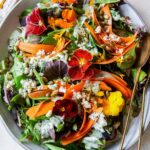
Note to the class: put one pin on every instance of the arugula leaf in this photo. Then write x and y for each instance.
(3, 65)
(72, 46)
(73, 146)
(48, 141)
(49, 39)
(53, 147)
(28, 103)
(60, 127)
(29, 130)
(14, 100)
(24, 14)
(79, 11)
(128, 60)
(92, 41)
(38, 77)
(106, 1)
(44, 1)
(1, 97)
(1, 79)
(17, 81)
(41, 98)
(142, 75)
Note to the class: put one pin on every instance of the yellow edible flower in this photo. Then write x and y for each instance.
(59, 35)
(120, 60)
(92, 2)
(100, 93)
(64, 1)
(114, 104)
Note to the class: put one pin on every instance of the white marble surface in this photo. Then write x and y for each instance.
(7, 143)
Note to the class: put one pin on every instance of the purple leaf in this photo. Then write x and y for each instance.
(23, 21)
(7, 95)
(55, 69)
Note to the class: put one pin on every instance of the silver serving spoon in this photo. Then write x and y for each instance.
(142, 108)
(127, 10)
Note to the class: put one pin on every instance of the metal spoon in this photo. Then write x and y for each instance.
(142, 108)
(145, 53)
(127, 10)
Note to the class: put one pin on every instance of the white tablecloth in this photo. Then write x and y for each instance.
(7, 143)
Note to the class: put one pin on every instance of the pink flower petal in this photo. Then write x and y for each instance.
(88, 74)
(73, 62)
(83, 54)
(35, 23)
(35, 16)
(34, 30)
(75, 73)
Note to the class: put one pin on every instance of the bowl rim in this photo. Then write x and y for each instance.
(147, 113)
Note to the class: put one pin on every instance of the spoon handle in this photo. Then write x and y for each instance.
(130, 108)
(142, 110)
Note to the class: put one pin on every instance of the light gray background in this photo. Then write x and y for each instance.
(7, 143)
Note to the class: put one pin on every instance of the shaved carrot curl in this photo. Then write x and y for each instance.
(34, 48)
(41, 109)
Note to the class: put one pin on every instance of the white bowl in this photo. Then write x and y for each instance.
(8, 26)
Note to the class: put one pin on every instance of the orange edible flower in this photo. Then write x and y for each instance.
(71, 1)
(51, 22)
(59, 23)
(69, 15)
(63, 24)
(65, 1)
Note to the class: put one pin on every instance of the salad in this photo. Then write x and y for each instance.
(69, 74)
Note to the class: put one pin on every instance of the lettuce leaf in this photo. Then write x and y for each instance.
(142, 76)
(50, 37)
(128, 60)
(106, 1)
